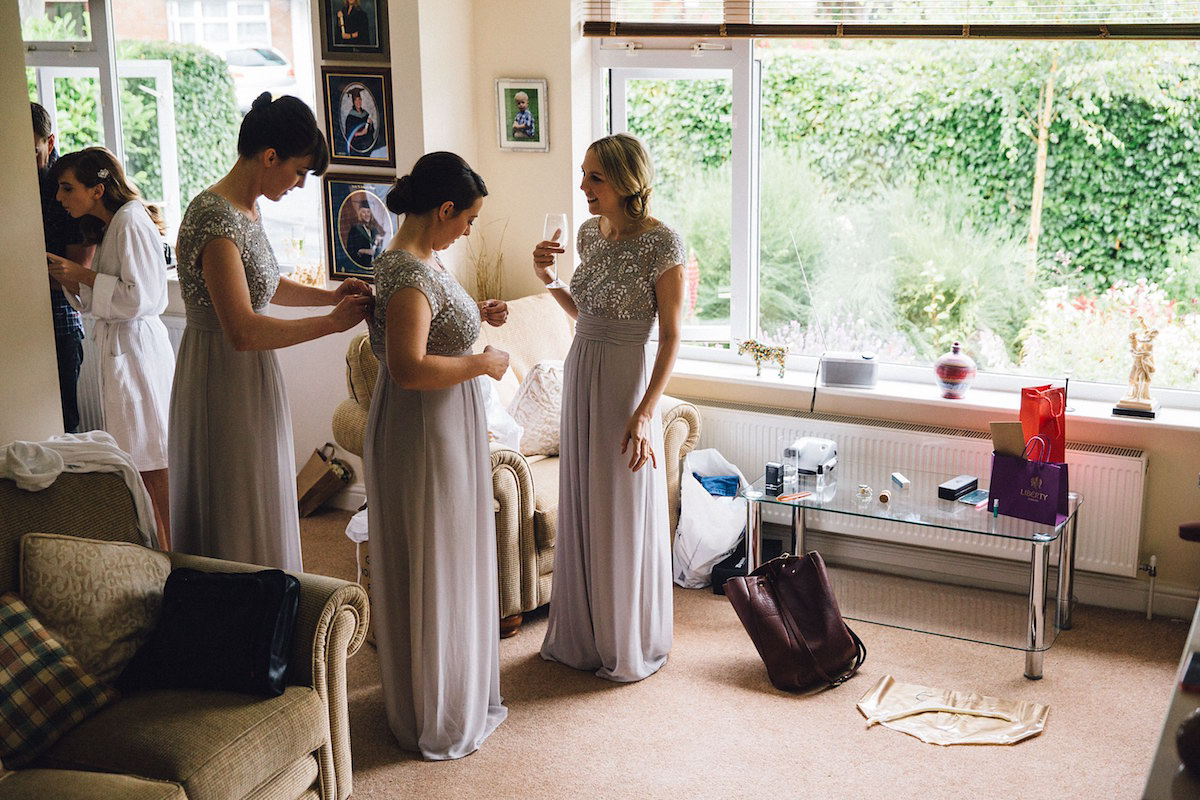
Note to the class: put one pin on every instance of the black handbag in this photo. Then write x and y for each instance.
(788, 608)
(219, 630)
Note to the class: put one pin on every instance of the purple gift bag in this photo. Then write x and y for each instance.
(1030, 489)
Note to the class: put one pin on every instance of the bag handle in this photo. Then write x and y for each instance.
(1057, 416)
(1043, 453)
(327, 451)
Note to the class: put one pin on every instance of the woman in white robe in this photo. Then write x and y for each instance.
(125, 291)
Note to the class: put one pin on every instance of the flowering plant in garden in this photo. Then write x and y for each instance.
(1087, 336)
(843, 333)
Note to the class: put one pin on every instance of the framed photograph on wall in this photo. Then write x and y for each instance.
(521, 114)
(358, 116)
(358, 224)
(353, 29)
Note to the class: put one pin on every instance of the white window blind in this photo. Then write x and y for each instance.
(998, 19)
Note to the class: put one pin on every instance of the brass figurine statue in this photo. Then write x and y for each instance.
(1137, 401)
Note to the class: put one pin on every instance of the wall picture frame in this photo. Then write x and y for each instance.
(521, 114)
(358, 116)
(358, 224)
(353, 29)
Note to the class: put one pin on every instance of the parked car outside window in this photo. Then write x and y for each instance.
(259, 69)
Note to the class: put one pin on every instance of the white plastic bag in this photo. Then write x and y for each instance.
(709, 527)
(356, 531)
(501, 426)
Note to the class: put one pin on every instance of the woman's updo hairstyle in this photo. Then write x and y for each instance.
(288, 126)
(436, 178)
(626, 164)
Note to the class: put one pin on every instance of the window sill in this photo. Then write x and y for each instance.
(1090, 421)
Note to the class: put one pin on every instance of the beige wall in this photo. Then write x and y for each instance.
(29, 404)
(527, 39)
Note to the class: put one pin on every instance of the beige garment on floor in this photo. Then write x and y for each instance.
(945, 716)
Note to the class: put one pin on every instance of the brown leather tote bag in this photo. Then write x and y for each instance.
(788, 609)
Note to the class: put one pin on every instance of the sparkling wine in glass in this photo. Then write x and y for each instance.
(555, 230)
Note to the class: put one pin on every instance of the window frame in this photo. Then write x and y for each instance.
(98, 53)
(618, 59)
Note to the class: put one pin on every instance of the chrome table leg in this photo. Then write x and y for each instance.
(1066, 572)
(1035, 636)
(753, 535)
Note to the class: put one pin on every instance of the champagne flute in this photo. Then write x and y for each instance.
(555, 230)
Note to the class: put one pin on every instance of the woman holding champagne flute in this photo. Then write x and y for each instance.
(611, 611)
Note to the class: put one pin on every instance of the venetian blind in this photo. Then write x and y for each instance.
(997, 19)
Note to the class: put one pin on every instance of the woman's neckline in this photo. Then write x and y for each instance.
(649, 224)
(435, 265)
(251, 215)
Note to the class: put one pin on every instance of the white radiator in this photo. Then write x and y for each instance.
(91, 416)
(1110, 479)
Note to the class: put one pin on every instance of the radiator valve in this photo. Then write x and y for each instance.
(1150, 568)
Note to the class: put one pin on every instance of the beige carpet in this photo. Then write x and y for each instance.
(710, 725)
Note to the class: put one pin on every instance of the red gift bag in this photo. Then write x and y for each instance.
(1043, 413)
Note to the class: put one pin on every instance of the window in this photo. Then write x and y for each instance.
(898, 195)
(125, 95)
(220, 24)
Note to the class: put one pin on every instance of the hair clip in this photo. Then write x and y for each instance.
(101, 173)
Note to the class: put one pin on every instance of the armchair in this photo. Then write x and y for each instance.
(190, 743)
(525, 487)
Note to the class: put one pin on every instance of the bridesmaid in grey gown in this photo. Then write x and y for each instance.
(428, 475)
(233, 484)
(611, 607)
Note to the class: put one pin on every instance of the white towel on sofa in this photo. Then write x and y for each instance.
(33, 466)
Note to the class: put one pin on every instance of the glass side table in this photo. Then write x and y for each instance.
(918, 504)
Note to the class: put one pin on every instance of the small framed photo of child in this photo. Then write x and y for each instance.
(353, 29)
(358, 116)
(521, 113)
(358, 224)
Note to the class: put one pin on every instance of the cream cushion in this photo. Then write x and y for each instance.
(537, 330)
(100, 599)
(537, 408)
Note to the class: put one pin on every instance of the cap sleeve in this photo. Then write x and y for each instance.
(406, 272)
(672, 251)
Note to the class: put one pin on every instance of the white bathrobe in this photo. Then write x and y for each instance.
(137, 363)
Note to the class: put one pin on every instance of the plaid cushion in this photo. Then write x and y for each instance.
(43, 690)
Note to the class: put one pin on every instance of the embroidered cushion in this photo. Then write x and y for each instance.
(44, 692)
(537, 408)
(99, 599)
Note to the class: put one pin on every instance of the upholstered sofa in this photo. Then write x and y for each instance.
(192, 744)
(526, 488)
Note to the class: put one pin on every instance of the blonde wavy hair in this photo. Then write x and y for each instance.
(626, 164)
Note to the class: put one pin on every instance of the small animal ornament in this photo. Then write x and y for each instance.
(764, 352)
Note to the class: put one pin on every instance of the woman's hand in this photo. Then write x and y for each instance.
(543, 259)
(351, 310)
(493, 312)
(637, 434)
(495, 362)
(68, 273)
(351, 287)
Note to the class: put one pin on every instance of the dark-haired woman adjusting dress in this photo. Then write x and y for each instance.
(233, 492)
(429, 484)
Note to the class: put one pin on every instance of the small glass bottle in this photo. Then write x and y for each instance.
(791, 467)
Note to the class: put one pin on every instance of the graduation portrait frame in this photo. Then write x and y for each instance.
(360, 33)
(521, 114)
(352, 237)
(358, 116)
